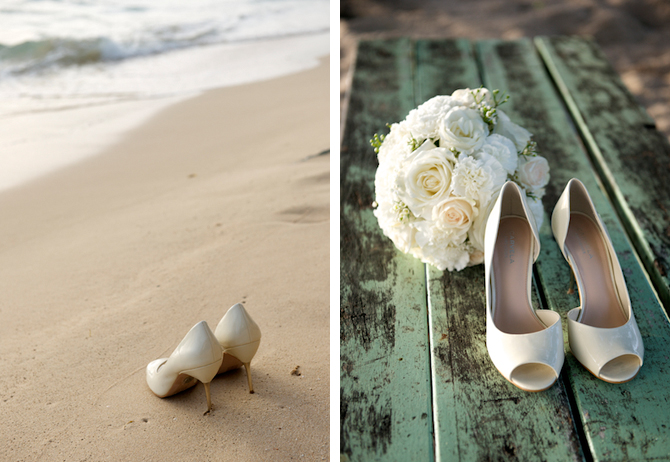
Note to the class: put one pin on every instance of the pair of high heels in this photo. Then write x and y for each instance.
(202, 354)
(526, 345)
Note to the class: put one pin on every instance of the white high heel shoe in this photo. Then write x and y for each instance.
(197, 357)
(526, 346)
(239, 336)
(603, 334)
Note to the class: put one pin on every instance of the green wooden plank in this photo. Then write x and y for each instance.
(482, 416)
(621, 422)
(385, 411)
(442, 67)
(631, 156)
(478, 414)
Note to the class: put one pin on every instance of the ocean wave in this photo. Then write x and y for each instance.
(56, 52)
(48, 53)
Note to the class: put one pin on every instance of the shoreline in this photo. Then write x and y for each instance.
(105, 264)
(38, 140)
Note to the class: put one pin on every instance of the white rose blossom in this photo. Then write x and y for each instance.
(433, 201)
(505, 127)
(462, 129)
(449, 224)
(453, 217)
(533, 173)
(427, 178)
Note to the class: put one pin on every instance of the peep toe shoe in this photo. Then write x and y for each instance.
(239, 336)
(197, 358)
(602, 331)
(525, 345)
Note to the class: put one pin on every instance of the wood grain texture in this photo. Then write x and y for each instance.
(385, 411)
(621, 422)
(481, 415)
(416, 380)
(478, 414)
(630, 155)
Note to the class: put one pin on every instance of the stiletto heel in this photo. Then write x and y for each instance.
(247, 366)
(239, 336)
(209, 397)
(526, 346)
(602, 331)
(198, 357)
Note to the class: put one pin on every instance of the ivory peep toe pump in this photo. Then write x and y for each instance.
(602, 331)
(526, 346)
(239, 336)
(197, 357)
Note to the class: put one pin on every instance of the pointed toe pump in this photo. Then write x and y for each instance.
(239, 336)
(197, 358)
(525, 345)
(602, 331)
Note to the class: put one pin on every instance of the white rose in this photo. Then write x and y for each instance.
(453, 218)
(427, 178)
(505, 127)
(502, 150)
(465, 97)
(478, 179)
(462, 129)
(533, 172)
(446, 230)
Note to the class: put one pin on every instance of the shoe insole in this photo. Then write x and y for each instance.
(512, 310)
(585, 245)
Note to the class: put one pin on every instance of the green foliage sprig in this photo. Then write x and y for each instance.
(377, 141)
(530, 150)
(489, 112)
(414, 144)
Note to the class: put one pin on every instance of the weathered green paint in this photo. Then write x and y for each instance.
(478, 414)
(445, 392)
(631, 157)
(385, 411)
(621, 422)
(481, 415)
(442, 67)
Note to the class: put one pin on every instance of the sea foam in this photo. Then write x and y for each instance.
(63, 98)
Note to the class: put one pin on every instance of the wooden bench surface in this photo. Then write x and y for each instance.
(416, 380)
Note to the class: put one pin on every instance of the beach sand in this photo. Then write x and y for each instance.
(106, 264)
(634, 34)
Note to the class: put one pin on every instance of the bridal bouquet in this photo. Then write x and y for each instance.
(440, 172)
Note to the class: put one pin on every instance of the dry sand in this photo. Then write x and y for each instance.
(634, 34)
(106, 264)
